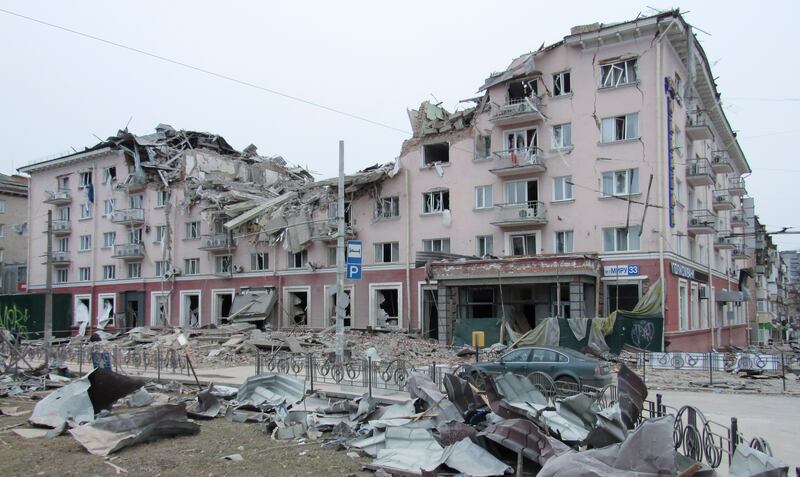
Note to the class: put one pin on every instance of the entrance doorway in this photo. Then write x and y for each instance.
(133, 304)
(430, 313)
(621, 296)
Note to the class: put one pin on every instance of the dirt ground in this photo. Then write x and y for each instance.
(198, 455)
(668, 379)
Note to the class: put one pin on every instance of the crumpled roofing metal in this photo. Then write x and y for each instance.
(515, 388)
(522, 435)
(463, 456)
(207, 405)
(632, 392)
(648, 451)
(609, 428)
(394, 415)
(420, 386)
(112, 433)
(748, 462)
(461, 394)
(270, 390)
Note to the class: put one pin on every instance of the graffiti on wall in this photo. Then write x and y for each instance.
(14, 318)
(642, 334)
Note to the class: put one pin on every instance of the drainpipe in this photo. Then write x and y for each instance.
(408, 250)
(709, 292)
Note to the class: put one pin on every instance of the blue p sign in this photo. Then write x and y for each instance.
(354, 271)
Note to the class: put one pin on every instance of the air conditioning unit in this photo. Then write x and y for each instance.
(527, 214)
(695, 221)
(172, 272)
(238, 269)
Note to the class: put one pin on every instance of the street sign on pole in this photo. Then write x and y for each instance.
(354, 255)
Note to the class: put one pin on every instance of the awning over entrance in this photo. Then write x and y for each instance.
(253, 305)
(511, 269)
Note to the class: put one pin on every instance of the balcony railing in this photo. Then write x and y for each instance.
(736, 186)
(128, 216)
(60, 257)
(698, 126)
(518, 109)
(129, 251)
(217, 242)
(59, 197)
(62, 227)
(722, 200)
(739, 253)
(518, 161)
(526, 213)
(738, 219)
(721, 162)
(702, 221)
(699, 172)
(724, 240)
(133, 183)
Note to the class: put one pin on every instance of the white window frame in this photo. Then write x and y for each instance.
(704, 304)
(387, 207)
(330, 291)
(254, 261)
(108, 207)
(85, 178)
(558, 83)
(109, 243)
(483, 197)
(571, 241)
(187, 270)
(219, 262)
(684, 322)
(566, 189)
(62, 182)
(162, 197)
(192, 230)
(509, 237)
(62, 241)
(442, 241)
(183, 295)
(76, 300)
(619, 73)
(161, 233)
(2, 206)
(429, 201)
(63, 213)
(80, 274)
(101, 297)
(485, 242)
(215, 311)
(154, 307)
(631, 181)
(165, 265)
(624, 127)
(285, 316)
(86, 211)
(291, 263)
(632, 231)
(373, 304)
(694, 300)
(65, 272)
(559, 136)
(85, 243)
(113, 272)
(394, 250)
(128, 270)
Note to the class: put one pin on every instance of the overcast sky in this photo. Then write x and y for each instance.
(58, 90)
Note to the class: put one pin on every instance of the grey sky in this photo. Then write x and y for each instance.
(367, 58)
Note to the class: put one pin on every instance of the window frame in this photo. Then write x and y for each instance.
(254, 259)
(292, 259)
(558, 84)
(482, 193)
(113, 241)
(109, 272)
(88, 274)
(137, 266)
(432, 202)
(441, 241)
(561, 127)
(564, 234)
(628, 124)
(631, 182)
(192, 230)
(627, 68)
(62, 271)
(393, 203)
(484, 245)
(566, 186)
(85, 243)
(631, 232)
(394, 252)
(86, 210)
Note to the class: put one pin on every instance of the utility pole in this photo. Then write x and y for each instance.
(340, 259)
(48, 298)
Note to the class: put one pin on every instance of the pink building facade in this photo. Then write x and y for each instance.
(581, 175)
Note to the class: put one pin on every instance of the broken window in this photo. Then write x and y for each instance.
(259, 261)
(387, 207)
(333, 213)
(561, 84)
(524, 244)
(518, 91)
(223, 264)
(435, 202)
(192, 230)
(191, 310)
(297, 308)
(162, 310)
(436, 245)
(562, 136)
(332, 303)
(108, 207)
(618, 73)
(135, 235)
(484, 245)
(85, 178)
(388, 303)
(483, 197)
(483, 147)
(161, 233)
(162, 197)
(481, 303)
(620, 128)
(109, 272)
(433, 153)
(86, 211)
(162, 267)
(522, 193)
(298, 260)
(624, 182)
(63, 182)
(135, 201)
(109, 175)
(191, 266)
(387, 252)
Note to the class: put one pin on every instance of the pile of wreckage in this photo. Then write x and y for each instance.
(511, 424)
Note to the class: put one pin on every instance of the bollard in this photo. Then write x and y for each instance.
(658, 405)
(311, 370)
(158, 360)
(433, 372)
(734, 440)
(783, 372)
(369, 376)
(519, 464)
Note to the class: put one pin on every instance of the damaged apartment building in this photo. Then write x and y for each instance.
(575, 180)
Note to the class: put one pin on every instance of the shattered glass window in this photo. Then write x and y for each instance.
(387, 252)
(259, 261)
(387, 207)
(192, 230)
(135, 270)
(561, 84)
(562, 136)
(191, 266)
(435, 202)
(618, 73)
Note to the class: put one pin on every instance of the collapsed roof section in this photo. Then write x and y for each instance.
(431, 119)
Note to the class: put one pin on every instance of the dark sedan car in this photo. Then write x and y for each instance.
(561, 364)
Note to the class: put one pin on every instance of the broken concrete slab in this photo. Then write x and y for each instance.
(112, 433)
(207, 406)
(749, 462)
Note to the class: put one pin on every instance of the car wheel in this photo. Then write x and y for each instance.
(478, 379)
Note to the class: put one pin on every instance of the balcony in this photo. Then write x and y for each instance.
(129, 251)
(512, 215)
(702, 221)
(218, 243)
(518, 110)
(326, 231)
(60, 258)
(698, 127)
(739, 253)
(128, 216)
(736, 186)
(62, 227)
(721, 162)
(699, 172)
(738, 219)
(519, 161)
(133, 183)
(722, 201)
(724, 241)
(59, 197)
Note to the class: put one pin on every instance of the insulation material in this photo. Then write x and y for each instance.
(578, 327)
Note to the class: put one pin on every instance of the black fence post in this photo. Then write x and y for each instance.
(658, 405)
(710, 368)
(734, 440)
(644, 367)
(158, 363)
(369, 375)
(80, 360)
(311, 370)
